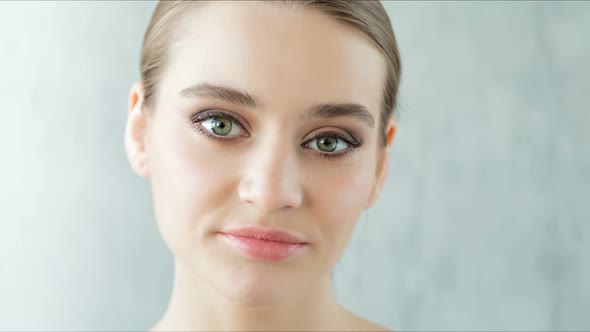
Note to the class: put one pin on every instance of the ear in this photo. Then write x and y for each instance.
(135, 131)
(383, 163)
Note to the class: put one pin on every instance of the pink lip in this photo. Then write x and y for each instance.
(265, 244)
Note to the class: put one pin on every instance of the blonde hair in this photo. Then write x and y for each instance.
(368, 17)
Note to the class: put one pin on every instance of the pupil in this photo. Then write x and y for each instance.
(327, 144)
(221, 127)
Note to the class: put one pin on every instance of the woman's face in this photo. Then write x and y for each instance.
(266, 159)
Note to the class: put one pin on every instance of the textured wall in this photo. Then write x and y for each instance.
(484, 222)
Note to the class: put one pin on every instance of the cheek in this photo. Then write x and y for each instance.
(339, 199)
(343, 190)
(189, 180)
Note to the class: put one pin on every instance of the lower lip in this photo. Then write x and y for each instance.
(263, 249)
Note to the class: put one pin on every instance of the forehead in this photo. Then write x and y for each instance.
(286, 57)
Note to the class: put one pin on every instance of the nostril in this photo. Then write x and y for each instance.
(271, 198)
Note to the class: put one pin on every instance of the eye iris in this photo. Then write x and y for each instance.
(221, 126)
(328, 143)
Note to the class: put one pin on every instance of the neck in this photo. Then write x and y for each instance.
(195, 306)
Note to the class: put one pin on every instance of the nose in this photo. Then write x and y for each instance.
(271, 179)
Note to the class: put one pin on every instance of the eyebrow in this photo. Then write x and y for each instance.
(237, 97)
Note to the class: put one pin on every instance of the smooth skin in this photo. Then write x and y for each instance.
(263, 175)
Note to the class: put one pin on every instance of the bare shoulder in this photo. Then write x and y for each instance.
(365, 325)
(358, 323)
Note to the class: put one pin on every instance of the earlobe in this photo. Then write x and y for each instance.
(135, 131)
(391, 131)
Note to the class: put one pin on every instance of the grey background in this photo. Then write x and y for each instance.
(483, 224)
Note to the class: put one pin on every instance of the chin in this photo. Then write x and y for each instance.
(255, 291)
(249, 282)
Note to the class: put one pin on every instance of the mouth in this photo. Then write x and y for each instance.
(273, 235)
(264, 244)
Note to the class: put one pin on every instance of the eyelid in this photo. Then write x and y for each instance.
(347, 137)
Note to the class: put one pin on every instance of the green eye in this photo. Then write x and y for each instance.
(220, 126)
(327, 143)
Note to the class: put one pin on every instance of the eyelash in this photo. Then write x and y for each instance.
(197, 118)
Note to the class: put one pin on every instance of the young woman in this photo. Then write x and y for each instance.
(264, 130)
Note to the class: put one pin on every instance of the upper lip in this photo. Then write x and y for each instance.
(269, 234)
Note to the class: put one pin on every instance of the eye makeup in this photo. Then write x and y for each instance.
(347, 139)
